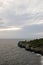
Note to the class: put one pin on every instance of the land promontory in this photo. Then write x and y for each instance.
(35, 45)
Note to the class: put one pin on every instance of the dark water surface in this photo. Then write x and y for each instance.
(11, 54)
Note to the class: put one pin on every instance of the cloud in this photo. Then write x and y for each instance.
(24, 16)
(22, 6)
(22, 20)
(9, 29)
(33, 31)
(21, 12)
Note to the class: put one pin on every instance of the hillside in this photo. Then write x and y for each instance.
(35, 45)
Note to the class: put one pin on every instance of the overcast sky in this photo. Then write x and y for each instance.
(21, 18)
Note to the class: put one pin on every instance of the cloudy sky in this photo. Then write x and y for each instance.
(21, 18)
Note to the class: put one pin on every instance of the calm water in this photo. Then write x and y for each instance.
(11, 54)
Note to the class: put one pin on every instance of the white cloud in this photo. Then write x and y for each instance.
(17, 14)
(23, 6)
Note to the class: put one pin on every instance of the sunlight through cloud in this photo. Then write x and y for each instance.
(10, 29)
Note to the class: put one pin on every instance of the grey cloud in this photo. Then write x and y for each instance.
(21, 13)
(26, 32)
(14, 20)
(34, 28)
(17, 20)
(22, 19)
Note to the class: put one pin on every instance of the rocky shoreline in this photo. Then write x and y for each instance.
(35, 46)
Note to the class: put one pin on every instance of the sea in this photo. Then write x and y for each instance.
(11, 54)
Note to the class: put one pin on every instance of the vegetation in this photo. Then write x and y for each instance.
(32, 45)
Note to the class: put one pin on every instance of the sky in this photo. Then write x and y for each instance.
(21, 19)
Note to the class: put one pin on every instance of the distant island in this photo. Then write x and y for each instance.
(35, 45)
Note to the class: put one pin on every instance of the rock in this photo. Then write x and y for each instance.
(21, 44)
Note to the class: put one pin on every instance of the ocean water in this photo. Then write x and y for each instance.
(11, 54)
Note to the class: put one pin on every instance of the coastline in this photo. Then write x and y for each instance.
(35, 46)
